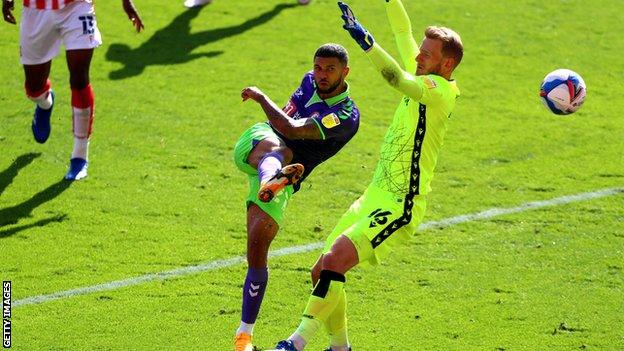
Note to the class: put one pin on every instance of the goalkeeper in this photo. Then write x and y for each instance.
(393, 205)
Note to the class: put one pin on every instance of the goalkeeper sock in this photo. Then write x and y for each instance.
(327, 293)
(336, 325)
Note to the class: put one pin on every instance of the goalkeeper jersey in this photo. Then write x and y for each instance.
(412, 143)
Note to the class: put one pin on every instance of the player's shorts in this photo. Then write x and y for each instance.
(247, 141)
(377, 222)
(42, 31)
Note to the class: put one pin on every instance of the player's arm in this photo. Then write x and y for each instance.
(303, 128)
(402, 30)
(405, 82)
(133, 14)
(7, 11)
(399, 79)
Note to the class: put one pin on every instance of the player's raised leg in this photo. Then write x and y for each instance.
(83, 108)
(39, 89)
(268, 157)
(285, 176)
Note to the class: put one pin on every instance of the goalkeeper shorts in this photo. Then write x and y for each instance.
(377, 222)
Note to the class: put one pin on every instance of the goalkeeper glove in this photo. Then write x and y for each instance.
(359, 33)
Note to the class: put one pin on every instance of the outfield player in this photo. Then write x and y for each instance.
(278, 155)
(44, 25)
(389, 211)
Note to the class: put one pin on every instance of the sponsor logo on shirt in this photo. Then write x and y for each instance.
(330, 121)
(290, 109)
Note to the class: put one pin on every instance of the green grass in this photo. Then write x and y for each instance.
(163, 192)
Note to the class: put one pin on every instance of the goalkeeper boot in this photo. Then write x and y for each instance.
(77, 169)
(286, 176)
(242, 342)
(285, 345)
(41, 122)
(330, 349)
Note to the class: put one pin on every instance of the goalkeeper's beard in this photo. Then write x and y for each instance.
(435, 70)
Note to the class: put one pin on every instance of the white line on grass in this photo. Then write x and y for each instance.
(215, 265)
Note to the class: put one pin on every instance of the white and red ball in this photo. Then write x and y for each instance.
(563, 91)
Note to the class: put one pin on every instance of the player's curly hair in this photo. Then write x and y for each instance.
(333, 50)
(451, 42)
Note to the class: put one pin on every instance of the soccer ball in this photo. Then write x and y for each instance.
(563, 91)
(303, 2)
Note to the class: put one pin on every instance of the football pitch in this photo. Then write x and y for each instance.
(522, 244)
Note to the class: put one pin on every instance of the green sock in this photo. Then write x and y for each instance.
(327, 294)
(336, 323)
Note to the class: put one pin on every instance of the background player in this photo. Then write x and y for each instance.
(44, 25)
(317, 122)
(389, 211)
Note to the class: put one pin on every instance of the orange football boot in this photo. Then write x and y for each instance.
(286, 176)
(242, 342)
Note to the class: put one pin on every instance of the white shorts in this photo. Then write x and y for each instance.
(41, 31)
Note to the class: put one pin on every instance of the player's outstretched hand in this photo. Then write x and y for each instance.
(133, 15)
(252, 93)
(7, 11)
(359, 33)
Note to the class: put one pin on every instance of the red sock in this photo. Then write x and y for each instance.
(41, 96)
(83, 105)
(83, 108)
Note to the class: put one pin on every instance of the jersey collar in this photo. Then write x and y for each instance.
(332, 101)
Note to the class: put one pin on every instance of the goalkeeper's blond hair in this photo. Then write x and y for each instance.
(451, 42)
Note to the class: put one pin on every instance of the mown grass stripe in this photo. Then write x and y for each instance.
(219, 264)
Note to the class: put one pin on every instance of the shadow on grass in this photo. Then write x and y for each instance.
(11, 215)
(40, 223)
(174, 43)
(7, 176)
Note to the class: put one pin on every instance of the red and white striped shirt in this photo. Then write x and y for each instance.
(49, 4)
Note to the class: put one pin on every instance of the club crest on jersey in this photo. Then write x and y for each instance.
(429, 83)
(330, 121)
